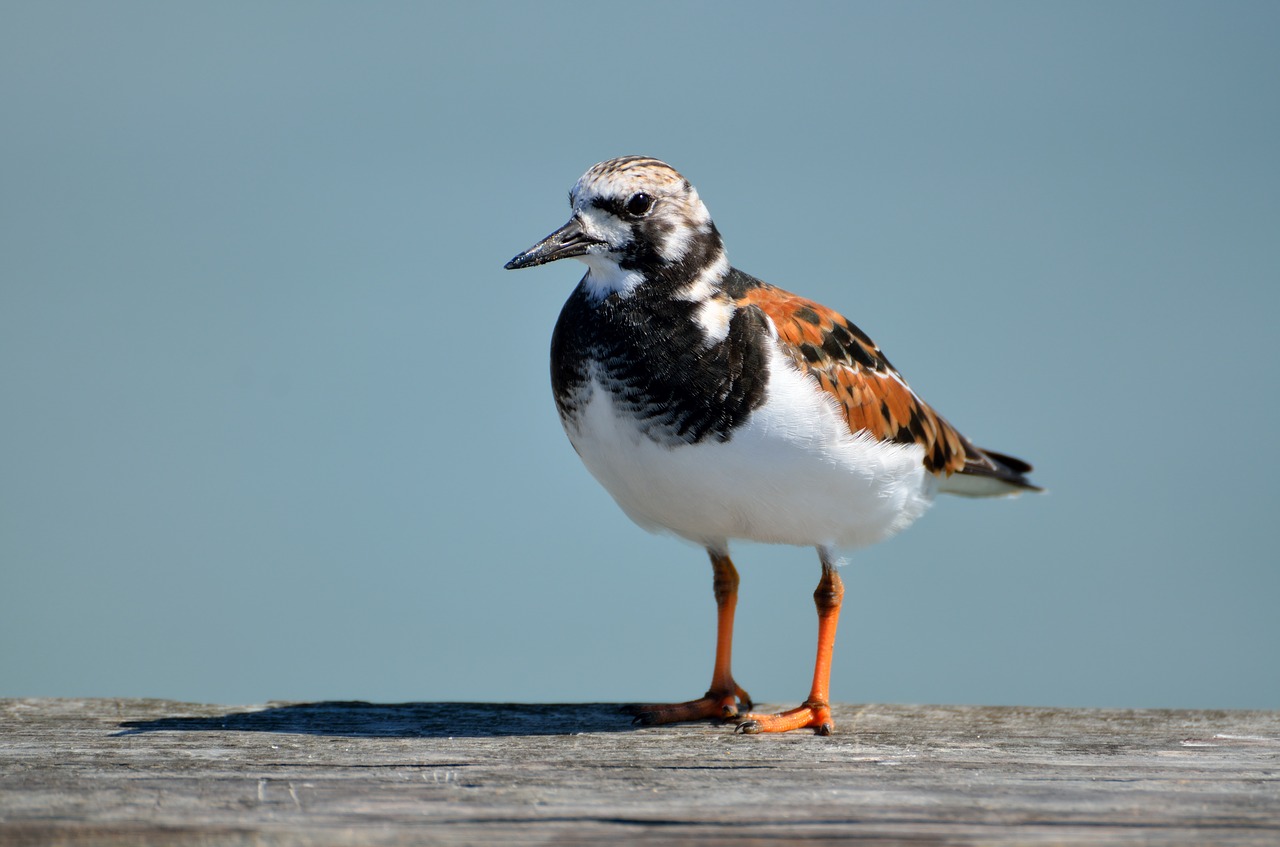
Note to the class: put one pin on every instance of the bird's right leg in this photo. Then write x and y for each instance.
(725, 696)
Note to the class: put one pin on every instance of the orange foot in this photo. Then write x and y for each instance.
(721, 705)
(809, 714)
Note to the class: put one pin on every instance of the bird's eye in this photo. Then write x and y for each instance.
(638, 205)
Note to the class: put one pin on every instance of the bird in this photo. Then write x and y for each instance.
(716, 407)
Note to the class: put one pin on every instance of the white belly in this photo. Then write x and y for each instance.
(792, 474)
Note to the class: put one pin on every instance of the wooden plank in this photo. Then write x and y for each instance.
(160, 772)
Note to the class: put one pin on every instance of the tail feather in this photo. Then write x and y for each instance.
(990, 474)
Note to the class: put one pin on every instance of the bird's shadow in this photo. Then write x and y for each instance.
(354, 719)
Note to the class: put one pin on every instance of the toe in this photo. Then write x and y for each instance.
(816, 716)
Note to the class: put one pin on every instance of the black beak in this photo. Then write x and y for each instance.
(566, 242)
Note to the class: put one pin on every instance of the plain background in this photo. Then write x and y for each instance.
(277, 425)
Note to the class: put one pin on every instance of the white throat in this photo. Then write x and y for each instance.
(604, 277)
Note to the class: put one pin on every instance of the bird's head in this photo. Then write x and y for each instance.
(635, 221)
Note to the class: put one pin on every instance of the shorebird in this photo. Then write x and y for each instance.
(714, 406)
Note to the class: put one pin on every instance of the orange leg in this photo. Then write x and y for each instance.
(722, 699)
(814, 712)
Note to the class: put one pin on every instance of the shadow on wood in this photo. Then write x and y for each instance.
(356, 719)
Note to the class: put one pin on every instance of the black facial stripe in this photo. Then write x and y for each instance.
(702, 251)
(615, 206)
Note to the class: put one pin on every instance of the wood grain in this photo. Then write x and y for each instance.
(158, 772)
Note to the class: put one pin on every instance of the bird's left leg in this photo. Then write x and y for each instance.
(816, 710)
(724, 695)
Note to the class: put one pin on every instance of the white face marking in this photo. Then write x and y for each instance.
(699, 217)
(675, 245)
(598, 223)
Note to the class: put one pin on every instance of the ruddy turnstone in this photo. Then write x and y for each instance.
(715, 406)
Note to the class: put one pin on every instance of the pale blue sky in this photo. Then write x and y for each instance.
(277, 425)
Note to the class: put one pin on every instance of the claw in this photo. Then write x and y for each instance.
(816, 716)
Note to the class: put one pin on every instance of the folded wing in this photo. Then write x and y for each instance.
(875, 398)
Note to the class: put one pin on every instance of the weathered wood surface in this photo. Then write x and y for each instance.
(151, 772)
